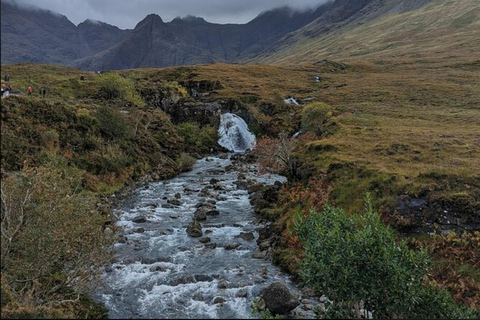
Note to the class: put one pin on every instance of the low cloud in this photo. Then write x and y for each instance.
(125, 14)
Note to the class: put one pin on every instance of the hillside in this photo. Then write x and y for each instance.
(437, 30)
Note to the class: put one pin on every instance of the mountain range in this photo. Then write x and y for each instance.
(42, 36)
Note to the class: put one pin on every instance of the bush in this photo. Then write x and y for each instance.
(196, 138)
(357, 262)
(315, 117)
(113, 86)
(52, 239)
(113, 124)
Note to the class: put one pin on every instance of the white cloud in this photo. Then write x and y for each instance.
(125, 14)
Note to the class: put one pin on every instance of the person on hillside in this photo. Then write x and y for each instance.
(10, 87)
(4, 86)
(30, 90)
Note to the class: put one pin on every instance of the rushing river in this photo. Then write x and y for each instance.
(162, 272)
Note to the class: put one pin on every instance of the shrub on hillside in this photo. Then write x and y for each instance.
(357, 263)
(113, 86)
(196, 138)
(53, 245)
(315, 117)
(113, 124)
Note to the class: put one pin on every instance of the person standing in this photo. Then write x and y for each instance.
(30, 90)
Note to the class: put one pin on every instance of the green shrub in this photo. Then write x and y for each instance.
(196, 138)
(356, 261)
(113, 86)
(184, 162)
(315, 117)
(113, 124)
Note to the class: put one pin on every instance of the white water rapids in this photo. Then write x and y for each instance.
(159, 271)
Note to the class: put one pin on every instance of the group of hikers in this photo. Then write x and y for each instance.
(6, 90)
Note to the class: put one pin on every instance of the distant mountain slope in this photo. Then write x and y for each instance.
(385, 29)
(38, 36)
(192, 40)
(42, 36)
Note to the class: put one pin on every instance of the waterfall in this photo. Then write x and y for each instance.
(234, 134)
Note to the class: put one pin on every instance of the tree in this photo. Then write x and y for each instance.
(315, 117)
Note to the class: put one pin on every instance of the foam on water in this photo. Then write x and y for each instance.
(234, 134)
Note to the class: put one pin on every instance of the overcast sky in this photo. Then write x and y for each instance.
(125, 14)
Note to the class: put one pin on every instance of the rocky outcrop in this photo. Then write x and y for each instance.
(278, 298)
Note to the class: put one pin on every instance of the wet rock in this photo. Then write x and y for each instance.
(194, 229)
(198, 297)
(208, 231)
(218, 300)
(205, 240)
(222, 285)
(259, 255)
(182, 280)
(214, 181)
(242, 293)
(213, 213)
(278, 298)
(200, 215)
(152, 205)
(232, 246)
(158, 269)
(247, 236)
(146, 261)
(203, 278)
(211, 201)
(242, 185)
(175, 202)
(167, 206)
(178, 195)
(212, 245)
(139, 219)
(164, 259)
(139, 230)
(254, 188)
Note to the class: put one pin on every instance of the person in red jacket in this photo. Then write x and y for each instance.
(30, 90)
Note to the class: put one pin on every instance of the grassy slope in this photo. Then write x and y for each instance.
(442, 29)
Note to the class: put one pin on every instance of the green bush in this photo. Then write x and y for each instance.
(357, 262)
(113, 86)
(113, 124)
(196, 138)
(315, 117)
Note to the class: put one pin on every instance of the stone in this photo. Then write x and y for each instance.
(222, 285)
(218, 300)
(214, 181)
(205, 240)
(247, 236)
(278, 298)
(259, 255)
(203, 278)
(194, 229)
(139, 219)
(242, 185)
(242, 293)
(175, 202)
(178, 195)
(158, 269)
(198, 297)
(167, 206)
(212, 213)
(182, 280)
(232, 246)
(200, 215)
(212, 245)
(139, 230)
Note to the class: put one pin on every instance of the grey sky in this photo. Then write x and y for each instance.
(125, 14)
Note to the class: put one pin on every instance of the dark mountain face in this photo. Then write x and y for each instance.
(38, 36)
(43, 36)
(99, 36)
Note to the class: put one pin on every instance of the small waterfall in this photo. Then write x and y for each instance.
(234, 134)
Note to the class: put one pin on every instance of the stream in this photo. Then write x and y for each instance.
(162, 272)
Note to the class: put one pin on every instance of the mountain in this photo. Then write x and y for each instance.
(36, 35)
(192, 40)
(339, 29)
(32, 34)
(99, 35)
(384, 29)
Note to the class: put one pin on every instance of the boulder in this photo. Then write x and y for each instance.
(247, 236)
(212, 213)
(200, 215)
(139, 219)
(278, 298)
(194, 229)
